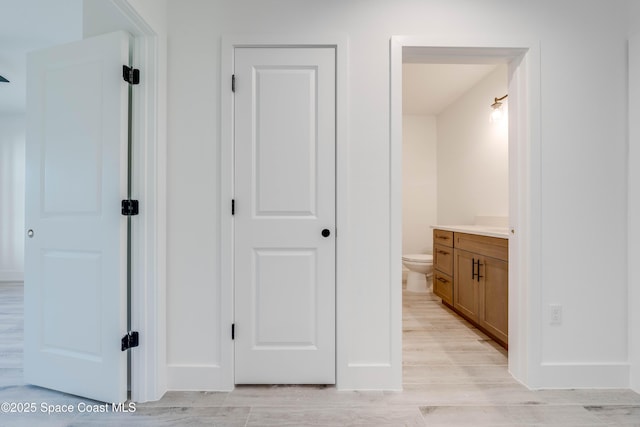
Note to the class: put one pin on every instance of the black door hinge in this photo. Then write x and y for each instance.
(233, 331)
(233, 83)
(233, 206)
(130, 207)
(131, 75)
(129, 341)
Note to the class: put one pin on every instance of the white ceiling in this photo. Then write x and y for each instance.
(27, 25)
(427, 89)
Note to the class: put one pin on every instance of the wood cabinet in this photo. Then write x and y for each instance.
(472, 277)
(465, 299)
(443, 265)
(443, 287)
(493, 299)
(443, 238)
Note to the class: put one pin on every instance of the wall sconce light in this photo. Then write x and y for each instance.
(496, 109)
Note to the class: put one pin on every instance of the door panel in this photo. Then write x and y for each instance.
(67, 273)
(285, 196)
(281, 297)
(285, 126)
(465, 293)
(70, 152)
(75, 261)
(494, 300)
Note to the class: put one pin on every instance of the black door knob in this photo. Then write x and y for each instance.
(326, 232)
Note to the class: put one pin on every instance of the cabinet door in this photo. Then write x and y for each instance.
(493, 313)
(443, 259)
(443, 287)
(443, 237)
(465, 291)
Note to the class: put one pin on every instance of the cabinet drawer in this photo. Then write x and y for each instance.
(493, 247)
(442, 237)
(443, 259)
(443, 287)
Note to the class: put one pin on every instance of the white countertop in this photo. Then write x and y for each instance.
(483, 230)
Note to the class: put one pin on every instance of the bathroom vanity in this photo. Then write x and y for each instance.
(471, 275)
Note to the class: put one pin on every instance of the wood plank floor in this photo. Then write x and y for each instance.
(453, 376)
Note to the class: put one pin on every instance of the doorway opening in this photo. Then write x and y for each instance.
(523, 176)
(454, 173)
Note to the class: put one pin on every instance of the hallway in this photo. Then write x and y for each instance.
(454, 376)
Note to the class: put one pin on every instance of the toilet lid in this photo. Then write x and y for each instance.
(418, 257)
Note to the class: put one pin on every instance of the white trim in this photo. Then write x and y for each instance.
(185, 377)
(11, 276)
(148, 305)
(524, 187)
(229, 43)
(585, 375)
(633, 206)
(525, 246)
(226, 278)
(395, 207)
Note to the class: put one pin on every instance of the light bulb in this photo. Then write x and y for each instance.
(496, 114)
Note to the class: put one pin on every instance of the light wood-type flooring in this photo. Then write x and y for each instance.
(453, 376)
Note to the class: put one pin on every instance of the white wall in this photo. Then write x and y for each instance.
(100, 17)
(12, 171)
(633, 17)
(583, 167)
(584, 189)
(419, 174)
(473, 155)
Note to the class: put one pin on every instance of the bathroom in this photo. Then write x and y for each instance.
(455, 171)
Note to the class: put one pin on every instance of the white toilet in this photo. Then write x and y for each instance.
(420, 271)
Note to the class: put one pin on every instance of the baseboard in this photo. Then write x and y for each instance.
(369, 376)
(11, 276)
(635, 381)
(198, 378)
(583, 375)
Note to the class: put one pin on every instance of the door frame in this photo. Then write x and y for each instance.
(224, 375)
(148, 367)
(633, 203)
(523, 60)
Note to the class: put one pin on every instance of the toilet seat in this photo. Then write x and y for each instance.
(425, 258)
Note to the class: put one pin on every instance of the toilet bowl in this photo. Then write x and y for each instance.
(420, 271)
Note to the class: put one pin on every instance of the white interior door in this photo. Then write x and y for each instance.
(285, 215)
(76, 246)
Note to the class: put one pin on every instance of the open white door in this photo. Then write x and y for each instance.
(285, 136)
(76, 245)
